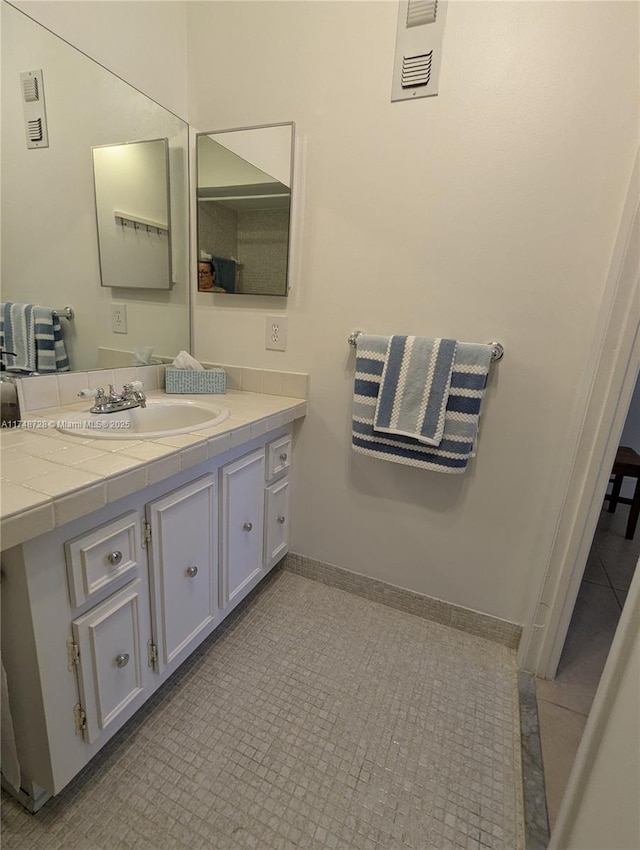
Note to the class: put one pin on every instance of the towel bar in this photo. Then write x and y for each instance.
(67, 313)
(496, 354)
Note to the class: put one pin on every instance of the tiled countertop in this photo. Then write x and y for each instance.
(48, 478)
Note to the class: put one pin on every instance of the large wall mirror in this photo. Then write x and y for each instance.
(244, 191)
(50, 249)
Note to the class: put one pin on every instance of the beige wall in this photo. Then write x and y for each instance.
(489, 212)
(143, 42)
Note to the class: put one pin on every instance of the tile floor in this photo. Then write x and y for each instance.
(312, 719)
(564, 704)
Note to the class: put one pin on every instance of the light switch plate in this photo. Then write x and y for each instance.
(276, 333)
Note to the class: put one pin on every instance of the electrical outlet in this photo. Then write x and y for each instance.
(119, 318)
(276, 333)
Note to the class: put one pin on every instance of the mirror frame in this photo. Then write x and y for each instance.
(105, 225)
(287, 276)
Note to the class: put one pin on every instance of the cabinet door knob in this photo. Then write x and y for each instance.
(283, 456)
(122, 660)
(281, 520)
(247, 526)
(192, 571)
(114, 558)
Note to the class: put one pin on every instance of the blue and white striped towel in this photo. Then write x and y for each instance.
(468, 381)
(34, 334)
(414, 388)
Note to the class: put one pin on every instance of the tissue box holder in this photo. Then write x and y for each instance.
(192, 381)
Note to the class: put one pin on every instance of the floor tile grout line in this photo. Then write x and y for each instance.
(284, 649)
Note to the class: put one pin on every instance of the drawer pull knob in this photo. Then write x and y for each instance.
(281, 520)
(283, 456)
(122, 660)
(247, 526)
(114, 558)
(192, 572)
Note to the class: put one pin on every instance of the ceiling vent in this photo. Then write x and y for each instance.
(419, 37)
(35, 119)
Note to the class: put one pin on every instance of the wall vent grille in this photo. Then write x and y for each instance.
(416, 70)
(418, 56)
(33, 107)
(30, 89)
(34, 130)
(420, 12)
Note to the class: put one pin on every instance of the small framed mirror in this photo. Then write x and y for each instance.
(132, 210)
(244, 191)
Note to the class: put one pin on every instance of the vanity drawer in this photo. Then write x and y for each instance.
(278, 456)
(105, 557)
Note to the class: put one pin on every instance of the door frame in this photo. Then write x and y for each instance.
(610, 375)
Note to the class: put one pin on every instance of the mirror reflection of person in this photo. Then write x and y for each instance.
(207, 277)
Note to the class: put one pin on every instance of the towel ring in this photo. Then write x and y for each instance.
(497, 348)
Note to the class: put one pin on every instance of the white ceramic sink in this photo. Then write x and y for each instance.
(157, 419)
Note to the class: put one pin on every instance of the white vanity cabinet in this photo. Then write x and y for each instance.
(242, 563)
(110, 650)
(277, 520)
(277, 500)
(97, 613)
(183, 574)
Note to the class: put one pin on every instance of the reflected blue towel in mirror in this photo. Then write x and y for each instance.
(225, 273)
(34, 335)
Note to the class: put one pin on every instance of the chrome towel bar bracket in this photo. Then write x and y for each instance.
(66, 313)
(497, 352)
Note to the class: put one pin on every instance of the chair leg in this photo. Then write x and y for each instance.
(615, 493)
(634, 513)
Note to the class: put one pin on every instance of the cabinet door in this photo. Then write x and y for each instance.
(277, 522)
(112, 642)
(242, 525)
(183, 566)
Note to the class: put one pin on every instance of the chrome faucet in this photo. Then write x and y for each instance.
(132, 395)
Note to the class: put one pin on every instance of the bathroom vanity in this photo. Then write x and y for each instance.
(98, 611)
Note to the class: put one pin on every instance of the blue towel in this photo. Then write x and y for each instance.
(225, 273)
(34, 334)
(51, 354)
(468, 380)
(414, 388)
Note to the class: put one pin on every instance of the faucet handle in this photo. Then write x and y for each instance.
(134, 385)
(90, 392)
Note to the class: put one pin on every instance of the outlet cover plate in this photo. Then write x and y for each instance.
(119, 318)
(276, 333)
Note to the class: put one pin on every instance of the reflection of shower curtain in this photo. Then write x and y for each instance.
(225, 273)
